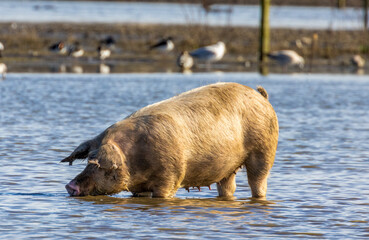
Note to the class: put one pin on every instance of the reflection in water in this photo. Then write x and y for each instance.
(62, 68)
(186, 71)
(76, 69)
(177, 203)
(104, 69)
(358, 71)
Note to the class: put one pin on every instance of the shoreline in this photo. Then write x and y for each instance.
(26, 47)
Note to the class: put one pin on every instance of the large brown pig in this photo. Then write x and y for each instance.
(197, 138)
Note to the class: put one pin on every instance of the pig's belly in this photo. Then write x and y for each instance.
(209, 171)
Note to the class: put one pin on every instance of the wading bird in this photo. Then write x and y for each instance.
(1, 49)
(211, 53)
(58, 47)
(76, 51)
(185, 61)
(103, 52)
(358, 61)
(109, 42)
(165, 45)
(287, 58)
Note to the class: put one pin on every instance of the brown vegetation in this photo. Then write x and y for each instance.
(29, 42)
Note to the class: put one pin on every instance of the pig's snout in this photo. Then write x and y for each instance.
(73, 188)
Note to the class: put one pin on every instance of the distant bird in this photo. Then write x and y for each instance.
(184, 60)
(103, 52)
(165, 45)
(287, 58)
(1, 49)
(108, 42)
(3, 70)
(358, 61)
(58, 47)
(76, 51)
(303, 42)
(210, 53)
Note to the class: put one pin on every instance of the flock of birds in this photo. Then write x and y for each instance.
(104, 49)
(186, 60)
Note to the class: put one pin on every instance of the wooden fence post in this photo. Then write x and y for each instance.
(366, 3)
(264, 41)
(341, 3)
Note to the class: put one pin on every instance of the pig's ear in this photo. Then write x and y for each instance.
(80, 152)
(110, 156)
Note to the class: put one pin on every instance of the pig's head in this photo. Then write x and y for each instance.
(105, 173)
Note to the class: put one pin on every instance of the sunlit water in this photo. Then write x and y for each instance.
(318, 188)
(169, 13)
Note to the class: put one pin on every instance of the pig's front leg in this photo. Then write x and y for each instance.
(165, 188)
(227, 186)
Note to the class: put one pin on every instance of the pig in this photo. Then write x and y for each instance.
(194, 139)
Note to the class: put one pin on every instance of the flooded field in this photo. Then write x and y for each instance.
(318, 188)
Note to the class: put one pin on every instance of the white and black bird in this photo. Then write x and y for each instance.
(76, 50)
(109, 42)
(104, 69)
(103, 52)
(357, 61)
(3, 70)
(2, 48)
(287, 58)
(165, 45)
(185, 61)
(211, 53)
(58, 47)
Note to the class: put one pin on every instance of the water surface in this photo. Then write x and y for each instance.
(318, 188)
(169, 13)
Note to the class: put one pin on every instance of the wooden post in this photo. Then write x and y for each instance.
(264, 36)
(366, 4)
(341, 3)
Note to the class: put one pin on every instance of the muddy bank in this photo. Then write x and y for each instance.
(27, 46)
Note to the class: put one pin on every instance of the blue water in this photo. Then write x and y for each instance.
(318, 187)
(166, 13)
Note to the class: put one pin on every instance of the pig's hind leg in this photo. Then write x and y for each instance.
(258, 165)
(227, 186)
